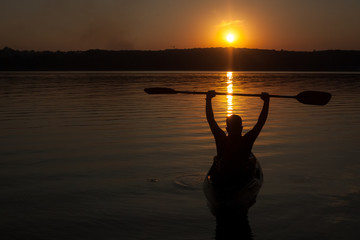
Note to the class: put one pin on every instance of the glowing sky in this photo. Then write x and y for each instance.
(162, 24)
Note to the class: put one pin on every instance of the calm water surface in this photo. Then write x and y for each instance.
(91, 156)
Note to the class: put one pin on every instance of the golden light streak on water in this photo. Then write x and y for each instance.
(229, 84)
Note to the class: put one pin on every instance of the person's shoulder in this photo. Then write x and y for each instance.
(221, 134)
(250, 135)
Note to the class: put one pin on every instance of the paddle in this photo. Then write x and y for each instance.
(306, 97)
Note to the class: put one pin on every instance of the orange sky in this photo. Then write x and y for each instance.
(163, 24)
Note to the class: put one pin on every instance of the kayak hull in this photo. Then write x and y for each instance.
(234, 200)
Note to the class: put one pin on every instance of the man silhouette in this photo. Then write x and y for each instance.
(233, 166)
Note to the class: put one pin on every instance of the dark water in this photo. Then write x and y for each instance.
(91, 156)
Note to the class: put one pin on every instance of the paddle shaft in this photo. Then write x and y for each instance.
(235, 94)
(305, 97)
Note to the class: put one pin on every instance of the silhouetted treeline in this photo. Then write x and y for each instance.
(211, 59)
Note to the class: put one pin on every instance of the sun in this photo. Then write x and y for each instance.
(230, 38)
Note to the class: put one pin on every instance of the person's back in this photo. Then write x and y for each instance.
(232, 165)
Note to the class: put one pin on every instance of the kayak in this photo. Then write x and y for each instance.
(233, 199)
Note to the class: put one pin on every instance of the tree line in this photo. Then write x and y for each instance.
(198, 59)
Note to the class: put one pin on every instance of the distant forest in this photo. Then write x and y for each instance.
(199, 59)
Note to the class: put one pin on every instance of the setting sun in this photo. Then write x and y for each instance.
(230, 38)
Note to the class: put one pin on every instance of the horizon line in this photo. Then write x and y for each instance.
(174, 49)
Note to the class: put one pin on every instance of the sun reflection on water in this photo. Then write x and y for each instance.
(229, 84)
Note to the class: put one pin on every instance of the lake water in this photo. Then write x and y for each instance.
(89, 155)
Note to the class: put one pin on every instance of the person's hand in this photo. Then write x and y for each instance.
(210, 94)
(265, 96)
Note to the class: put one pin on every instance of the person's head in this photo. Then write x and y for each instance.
(234, 125)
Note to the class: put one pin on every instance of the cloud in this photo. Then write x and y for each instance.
(229, 23)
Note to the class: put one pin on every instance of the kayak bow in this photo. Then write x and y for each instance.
(236, 200)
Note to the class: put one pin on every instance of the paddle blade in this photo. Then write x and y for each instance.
(160, 91)
(314, 97)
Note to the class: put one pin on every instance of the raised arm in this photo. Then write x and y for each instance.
(263, 116)
(215, 129)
